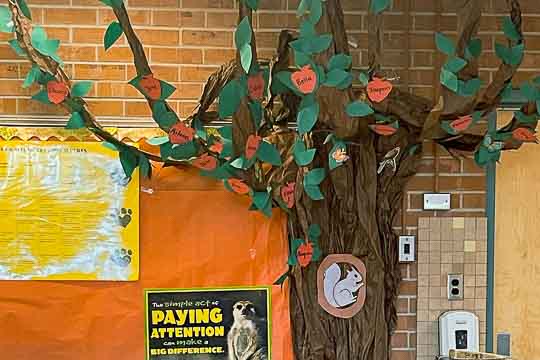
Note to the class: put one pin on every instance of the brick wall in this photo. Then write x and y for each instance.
(186, 40)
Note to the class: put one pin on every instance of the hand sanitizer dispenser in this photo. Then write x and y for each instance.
(458, 330)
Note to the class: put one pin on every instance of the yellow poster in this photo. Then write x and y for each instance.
(67, 212)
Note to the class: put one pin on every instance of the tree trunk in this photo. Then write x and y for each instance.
(356, 218)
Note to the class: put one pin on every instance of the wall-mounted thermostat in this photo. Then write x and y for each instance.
(437, 201)
(406, 248)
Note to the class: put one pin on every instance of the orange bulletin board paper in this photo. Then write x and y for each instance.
(193, 234)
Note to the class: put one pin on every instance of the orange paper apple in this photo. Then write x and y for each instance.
(524, 134)
(180, 133)
(304, 254)
(255, 85)
(462, 123)
(384, 130)
(304, 79)
(378, 89)
(287, 194)
(252, 145)
(238, 186)
(151, 86)
(57, 91)
(216, 147)
(205, 162)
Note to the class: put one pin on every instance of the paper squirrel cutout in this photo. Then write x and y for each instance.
(342, 298)
(340, 293)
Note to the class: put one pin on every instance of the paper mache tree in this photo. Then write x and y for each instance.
(340, 173)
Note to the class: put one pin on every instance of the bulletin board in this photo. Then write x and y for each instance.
(186, 241)
(67, 212)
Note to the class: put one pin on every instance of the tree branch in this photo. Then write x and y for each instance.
(139, 57)
(375, 40)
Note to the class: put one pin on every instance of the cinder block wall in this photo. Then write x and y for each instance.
(186, 40)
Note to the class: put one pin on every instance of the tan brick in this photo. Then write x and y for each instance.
(136, 17)
(66, 16)
(207, 38)
(196, 73)
(77, 53)
(158, 37)
(100, 72)
(227, 20)
(399, 340)
(218, 56)
(100, 107)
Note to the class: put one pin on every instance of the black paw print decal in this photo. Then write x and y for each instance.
(122, 257)
(124, 218)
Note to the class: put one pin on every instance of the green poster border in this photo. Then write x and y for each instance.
(268, 290)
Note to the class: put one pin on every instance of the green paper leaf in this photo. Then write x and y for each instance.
(284, 77)
(303, 7)
(364, 78)
(16, 47)
(347, 82)
(252, 4)
(301, 59)
(335, 77)
(312, 45)
(242, 35)
(229, 99)
(455, 64)
(24, 9)
(6, 24)
(42, 97)
(314, 233)
(281, 279)
(449, 80)
(526, 119)
(261, 200)
(378, 6)
(144, 165)
(538, 107)
(76, 121)
(315, 11)
(226, 132)
(81, 88)
(163, 116)
(108, 145)
(473, 49)
(482, 156)
(302, 156)
(444, 44)
(245, 57)
(469, 88)
(256, 111)
(113, 33)
(268, 153)
(313, 192)
(510, 30)
(113, 3)
(129, 161)
(223, 172)
(45, 46)
(242, 163)
(158, 140)
(340, 61)
(166, 90)
(307, 117)
(506, 94)
(511, 56)
(315, 176)
(333, 163)
(359, 109)
(529, 91)
(307, 29)
(32, 76)
(183, 151)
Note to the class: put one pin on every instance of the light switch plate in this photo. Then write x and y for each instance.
(437, 201)
(406, 248)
